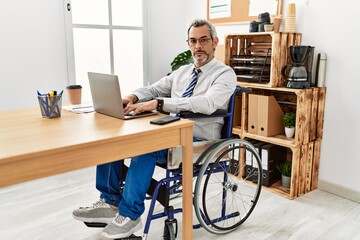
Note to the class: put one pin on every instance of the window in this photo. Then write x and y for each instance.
(107, 37)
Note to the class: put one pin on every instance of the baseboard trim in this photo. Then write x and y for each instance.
(344, 192)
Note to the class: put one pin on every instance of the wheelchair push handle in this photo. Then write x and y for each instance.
(244, 89)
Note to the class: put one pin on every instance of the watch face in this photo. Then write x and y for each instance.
(160, 103)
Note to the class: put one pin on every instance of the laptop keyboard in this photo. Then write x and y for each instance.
(140, 114)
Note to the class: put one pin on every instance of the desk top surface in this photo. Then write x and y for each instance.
(25, 131)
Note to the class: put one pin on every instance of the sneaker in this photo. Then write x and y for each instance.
(122, 227)
(99, 212)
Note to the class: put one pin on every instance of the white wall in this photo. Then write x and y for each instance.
(327, 26)
(32, 51)
(166, 34)
(33, 58)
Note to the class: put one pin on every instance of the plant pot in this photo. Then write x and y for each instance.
(289, 131)
(285, 181)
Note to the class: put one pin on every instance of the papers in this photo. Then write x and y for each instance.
(81, 108)
(219, 9)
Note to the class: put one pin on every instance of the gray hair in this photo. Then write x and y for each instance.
(202, 22)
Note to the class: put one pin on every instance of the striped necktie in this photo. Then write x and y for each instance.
(194, 78)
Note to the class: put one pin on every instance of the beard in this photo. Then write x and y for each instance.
(200, 61)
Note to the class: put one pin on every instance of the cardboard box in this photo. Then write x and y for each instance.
(270, 116)
(265, 116)
(253, 114)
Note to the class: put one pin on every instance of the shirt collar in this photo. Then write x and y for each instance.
(206, 68)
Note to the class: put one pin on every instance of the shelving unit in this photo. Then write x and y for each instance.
(305, 146)
(257, 58)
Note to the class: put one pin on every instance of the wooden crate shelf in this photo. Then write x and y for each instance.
(305, 166)
(257, 58)
(307, 103)
(304, 147)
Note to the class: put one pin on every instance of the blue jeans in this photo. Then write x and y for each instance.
(139, 175)
(131, 201)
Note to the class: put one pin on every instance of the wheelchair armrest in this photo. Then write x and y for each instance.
(217, 113)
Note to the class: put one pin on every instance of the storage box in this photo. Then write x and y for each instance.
(253, 114)
(265, 116)
(257, 58)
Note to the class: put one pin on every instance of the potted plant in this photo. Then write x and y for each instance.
(183, 58)
(289, 122)
(285, 170)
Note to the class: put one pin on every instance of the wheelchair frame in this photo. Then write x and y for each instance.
(207, 164)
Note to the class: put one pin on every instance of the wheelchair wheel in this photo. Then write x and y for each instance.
(225, 193)
(169, 231)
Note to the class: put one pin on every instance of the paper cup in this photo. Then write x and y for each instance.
(74, 93)
(276, 23)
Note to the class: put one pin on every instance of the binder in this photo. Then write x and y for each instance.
(271, 156)
(251, 165)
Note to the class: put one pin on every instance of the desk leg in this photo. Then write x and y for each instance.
(187, 152)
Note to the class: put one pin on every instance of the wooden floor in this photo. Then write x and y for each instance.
(41, 209)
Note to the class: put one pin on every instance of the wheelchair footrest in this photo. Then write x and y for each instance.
(95, 225)
(132, 237)
(102, 225)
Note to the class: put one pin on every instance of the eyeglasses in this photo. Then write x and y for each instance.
(202, 41)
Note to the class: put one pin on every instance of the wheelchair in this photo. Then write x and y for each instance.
(225, 191)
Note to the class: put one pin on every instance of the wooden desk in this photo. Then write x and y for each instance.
(32, 147)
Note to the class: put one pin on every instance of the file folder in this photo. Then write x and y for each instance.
(251, 165)
(253, 114)
(270, 116)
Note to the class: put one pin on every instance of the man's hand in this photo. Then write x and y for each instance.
(137, 108)
(130, 99)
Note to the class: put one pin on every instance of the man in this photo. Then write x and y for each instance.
(202, 87)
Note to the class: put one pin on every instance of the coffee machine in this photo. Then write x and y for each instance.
(298, 72)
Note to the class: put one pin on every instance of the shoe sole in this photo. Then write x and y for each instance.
(124, 235)
(94, 220)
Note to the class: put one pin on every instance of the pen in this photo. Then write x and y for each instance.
(54, 105)
(43, 103)
(51, 100)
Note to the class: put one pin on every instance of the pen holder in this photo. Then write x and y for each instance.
(50, 106)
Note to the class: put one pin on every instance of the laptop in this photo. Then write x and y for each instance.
(106, 96)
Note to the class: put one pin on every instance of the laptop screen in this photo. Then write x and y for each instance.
(106, 96)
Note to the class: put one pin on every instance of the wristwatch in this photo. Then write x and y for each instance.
(160, 104)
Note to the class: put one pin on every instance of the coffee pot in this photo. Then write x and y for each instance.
(298, 72)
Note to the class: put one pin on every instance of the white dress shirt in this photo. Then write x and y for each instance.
(214, 87)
